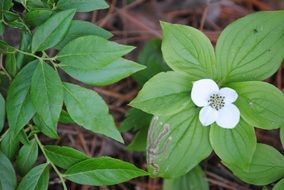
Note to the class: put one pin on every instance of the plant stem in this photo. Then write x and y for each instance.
(3, 68)
(45, 56)
(50, 59)
(2, 137)
(27, 53)
(60, 175)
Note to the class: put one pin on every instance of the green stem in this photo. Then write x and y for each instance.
(45, 57)
(50, 59)
(2, 137)
(60, 175)
(3, 68)
(29, 54)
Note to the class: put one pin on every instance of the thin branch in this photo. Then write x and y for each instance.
(60, 175)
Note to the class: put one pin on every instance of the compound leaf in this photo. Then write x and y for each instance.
(82, 5)
(47, 95)
(103, 171)
(19, 106)
(8, 180)
(91, 53)
(63, 156)
(79, 28)
(90, 111)
(27, 157)
(104, 75)
(52, 31)
(36, 178)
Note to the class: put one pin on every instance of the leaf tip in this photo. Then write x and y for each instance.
(139, 67)
(119, 139)
(130, 48)
(164, 24)
(106, 5)
(132, 103)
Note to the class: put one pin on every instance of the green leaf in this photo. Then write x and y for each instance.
(49, 131)
(104, 75)
(8, 180)
(89, 110)
(186, 49)
(177, 143)
(23, 138)
(282, 136)
(5, 5)
(23, 2)
(261, 104)
(32, 4)
(267, 166)
(193, 180)
(234, 146)
(2, 112)
(139, 142)
(65, 118)
(27, 157)
(91, 52)
(150, 56)
(135, 119)
(47, 95)
(64, 157)
(37, 178)
(10, 144)
(102, 171)
(4, 83)
(2, 28)
(14, 20)
(82, 5)
(19, 106)
(279, 185)
(36, 17)
(52, 31)
(164, 94)
(79, 28)
(251, 48)
(22, 59)
(11, 64)
(10, 16)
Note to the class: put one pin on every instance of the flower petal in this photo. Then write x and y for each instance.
(228, 116)
(208, 115)
(230, 94)
(201, 91)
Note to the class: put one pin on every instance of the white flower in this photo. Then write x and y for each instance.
(216, 104)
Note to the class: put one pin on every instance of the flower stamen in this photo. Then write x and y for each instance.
(216, 101)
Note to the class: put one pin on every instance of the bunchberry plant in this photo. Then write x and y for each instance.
(35, 94)
(213, 99)
(138, 121)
